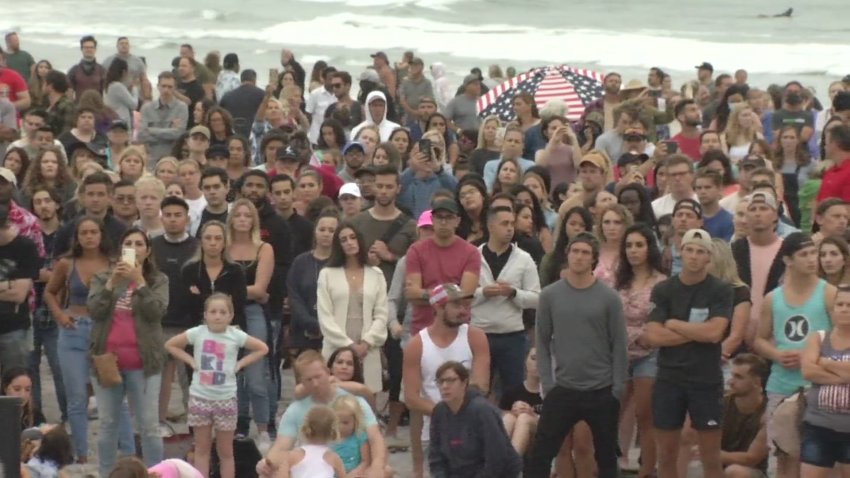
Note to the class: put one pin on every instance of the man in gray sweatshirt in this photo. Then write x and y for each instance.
(581, 356)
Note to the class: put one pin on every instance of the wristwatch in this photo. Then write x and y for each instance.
(513, 293)
(425, 295)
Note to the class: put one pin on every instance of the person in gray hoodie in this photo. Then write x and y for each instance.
(468, 439)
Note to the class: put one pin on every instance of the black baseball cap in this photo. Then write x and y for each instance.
(795, 242)
(364, 171)
(688, 204)
(753, 162)
(118, 124)
(218, 151)
(705, 66)
(445, 205)
(286, 154)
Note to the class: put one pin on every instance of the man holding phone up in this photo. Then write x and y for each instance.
(425, 176)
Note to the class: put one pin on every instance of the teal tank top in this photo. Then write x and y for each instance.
(791, 327)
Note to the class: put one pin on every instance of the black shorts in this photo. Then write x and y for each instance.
(672, 402)
(822, 447)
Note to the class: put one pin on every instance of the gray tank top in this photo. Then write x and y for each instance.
(828, 406)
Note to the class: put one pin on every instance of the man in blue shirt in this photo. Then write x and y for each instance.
(315, 377)
(716, 220)
(512, 145)
(425, 176)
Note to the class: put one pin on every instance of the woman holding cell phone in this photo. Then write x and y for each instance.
(127, 304)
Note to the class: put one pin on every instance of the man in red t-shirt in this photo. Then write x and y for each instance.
(443, 258)
(690, 116)
(836, 181)
(13, 86)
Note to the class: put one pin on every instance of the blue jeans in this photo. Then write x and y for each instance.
(143, 394)
(253, 385)
(507, 356)
(15, 349)
(45, 335)
(72, 347)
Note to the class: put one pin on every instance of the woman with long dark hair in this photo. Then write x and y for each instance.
(795, 163)
(220, 123)
(301, 283)
(400, 138)
(18, 161)
(17, 382)
(239, 157)
(508, 175)
(575, 221)
(834, 260)
(127, 304)
(526, 111)
(117, 96)
(734, 94)
(635, 198)
(352, 303)
(471, 196)
(526, 196)
(36, 83)
(71, 279)
(638, 272)
(538, 180)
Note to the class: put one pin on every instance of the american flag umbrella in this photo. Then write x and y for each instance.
(575, 86)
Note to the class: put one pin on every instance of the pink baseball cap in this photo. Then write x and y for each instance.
(425, 220)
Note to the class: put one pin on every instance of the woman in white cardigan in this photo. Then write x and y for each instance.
(352, 303)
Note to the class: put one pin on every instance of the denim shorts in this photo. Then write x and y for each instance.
(822, 447)
(644, 367)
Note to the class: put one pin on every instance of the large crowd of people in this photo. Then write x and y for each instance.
(537, 296)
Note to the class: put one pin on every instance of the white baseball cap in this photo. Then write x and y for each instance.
(351, 189)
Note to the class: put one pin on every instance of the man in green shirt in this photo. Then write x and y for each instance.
(17, 59)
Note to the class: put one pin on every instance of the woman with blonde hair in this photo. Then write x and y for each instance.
(48, 170)
(611, 229)
(166, 169)
(256, 257)
(488, 147)
(131, 163)
(724, 268)
(290, 99)
(741, 130)
(369, 136)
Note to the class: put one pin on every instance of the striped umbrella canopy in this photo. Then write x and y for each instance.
(577, 87)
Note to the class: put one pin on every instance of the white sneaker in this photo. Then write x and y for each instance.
(264, 443)
(165, 430)
(92, 408)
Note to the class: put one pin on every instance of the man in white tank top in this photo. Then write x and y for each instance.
(450, 337)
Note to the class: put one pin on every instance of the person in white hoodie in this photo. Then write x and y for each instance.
(442, 89)
(508, 284)
(376, 114)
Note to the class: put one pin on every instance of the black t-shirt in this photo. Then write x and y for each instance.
(242, 103)
(692, 363)
(195, 92)
(207, 216)
(18, 260)
(521, 394)
(302, 234)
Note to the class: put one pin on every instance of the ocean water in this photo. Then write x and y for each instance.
(605, 35)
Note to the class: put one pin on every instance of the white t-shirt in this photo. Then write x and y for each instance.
(216, 356)
(196, 208)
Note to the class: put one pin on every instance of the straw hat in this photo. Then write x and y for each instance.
(633, 85)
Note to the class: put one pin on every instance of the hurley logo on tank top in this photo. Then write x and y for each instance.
(797, 328)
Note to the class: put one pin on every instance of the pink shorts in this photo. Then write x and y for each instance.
(221, 414)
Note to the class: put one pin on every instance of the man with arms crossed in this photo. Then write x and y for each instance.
(690, 313)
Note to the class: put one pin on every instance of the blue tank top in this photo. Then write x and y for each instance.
(78, 292)
(791, 327)
(348, 450)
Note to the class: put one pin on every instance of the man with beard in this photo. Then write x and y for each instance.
(449, 337)
(388, 233)
(369, 82)
(605, 105)
(274, 230)
(341, 87)
(354, 156)
(88, 74)
(688, 139)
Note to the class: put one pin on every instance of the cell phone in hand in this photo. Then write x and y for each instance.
(128, 256)
(672, 147)
(273, 75)
(425, 146)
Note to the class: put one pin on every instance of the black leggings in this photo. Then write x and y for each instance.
(395, 359)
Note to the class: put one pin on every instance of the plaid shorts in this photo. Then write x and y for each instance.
(221, 414)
